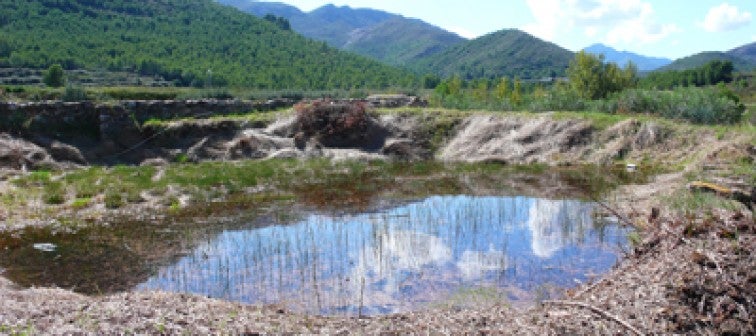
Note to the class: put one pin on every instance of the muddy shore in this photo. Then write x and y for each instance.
(688, 273)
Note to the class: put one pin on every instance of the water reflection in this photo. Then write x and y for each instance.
(402, 258)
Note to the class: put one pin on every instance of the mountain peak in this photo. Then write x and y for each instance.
(390, 38)
(644, 63)
(508, 52)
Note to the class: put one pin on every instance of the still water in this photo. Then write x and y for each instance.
(421, 254)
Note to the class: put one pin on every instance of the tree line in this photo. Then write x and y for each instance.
(712, 73)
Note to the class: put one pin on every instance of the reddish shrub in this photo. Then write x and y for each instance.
(333, 124)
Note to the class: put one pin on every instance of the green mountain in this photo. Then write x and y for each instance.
(746, 52)
(511, 53)
(387, 37)
(401, 41)
(190, 42)
(700, 59)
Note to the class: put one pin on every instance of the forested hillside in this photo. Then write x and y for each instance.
(701, 59)
(746, 52)
(402, 41)
(190, 42)
(510, 53)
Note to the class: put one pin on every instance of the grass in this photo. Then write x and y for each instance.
(253, 117)
(111, 93)
(317, 182)
(16, 330)
(473, 297)
(81, 203)
(686, 202)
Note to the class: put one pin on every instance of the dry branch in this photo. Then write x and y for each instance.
(597, 311)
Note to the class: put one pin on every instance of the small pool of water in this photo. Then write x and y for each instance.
(437, 251)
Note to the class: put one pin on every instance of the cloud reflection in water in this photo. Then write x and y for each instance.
(408, 256)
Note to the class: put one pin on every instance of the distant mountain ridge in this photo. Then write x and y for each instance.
(700, 59)
(387, 37)
(644, 63)
(509, 52)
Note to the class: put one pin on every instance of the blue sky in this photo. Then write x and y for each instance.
(669, 28)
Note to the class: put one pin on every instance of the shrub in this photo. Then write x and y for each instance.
(332, 124)
(54, 193)
(558, 100)
(54, 76)
(113, 199)
(74, 94)
(697, 105)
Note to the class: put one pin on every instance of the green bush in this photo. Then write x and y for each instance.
(558, 100)
(74, 94)
(54, 193)
(128, 93)
(697, 105)
(113, 199)
(54, 76)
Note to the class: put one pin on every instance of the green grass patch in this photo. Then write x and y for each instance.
(113, 199)
(54, 193)
(316, 182)
(688, 202)
(81, 203)
(35, 179)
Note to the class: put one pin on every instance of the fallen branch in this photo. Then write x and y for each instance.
(597, 311)
(612, 211)
(587, 289)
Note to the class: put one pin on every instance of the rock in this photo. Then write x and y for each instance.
(209, 148)
(64, 152)
(155, 162)
(648, 135)
(286, 153)
(20, 154)
(402, 149)
(250, 147)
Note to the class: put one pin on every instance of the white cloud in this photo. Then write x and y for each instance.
(628, 21)
(554, 224)
(463, 32)
(725, 17)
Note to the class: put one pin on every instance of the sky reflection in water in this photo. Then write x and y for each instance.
(407, 257)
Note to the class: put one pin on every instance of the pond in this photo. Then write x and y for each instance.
(435, 251)
(370, 243)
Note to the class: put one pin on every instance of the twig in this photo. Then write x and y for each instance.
(614, 212)
(362, 296)
(138, 144)
(588, 288)
(597, 311)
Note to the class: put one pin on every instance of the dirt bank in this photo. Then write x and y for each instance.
(410, 135)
